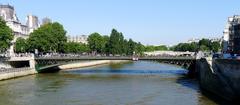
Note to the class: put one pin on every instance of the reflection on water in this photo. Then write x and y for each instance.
(138, 83)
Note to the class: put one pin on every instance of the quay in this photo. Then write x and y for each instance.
(16, 72)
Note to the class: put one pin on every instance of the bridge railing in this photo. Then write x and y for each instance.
(23, 55)
(114, 57)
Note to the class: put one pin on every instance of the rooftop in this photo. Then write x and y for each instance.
(6, 6)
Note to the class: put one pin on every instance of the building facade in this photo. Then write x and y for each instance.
(32, 23)
(8, 14)
(231, 40)
(78, 39)
(211, 39)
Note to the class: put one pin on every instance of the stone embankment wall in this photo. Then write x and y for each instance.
(16, 72)
(4, 65)
(221, 77)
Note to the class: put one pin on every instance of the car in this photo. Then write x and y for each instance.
(237, 56)
(216, 56)
(227, 56)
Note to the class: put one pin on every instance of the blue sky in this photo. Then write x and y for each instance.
(148, 21)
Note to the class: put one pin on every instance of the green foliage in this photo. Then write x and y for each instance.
(50, 37)
(205, 42)
(73, 47)
(131, 47)
(21, 45)
(204, 48)
(186, 47)
(203, 45)
(97, 43)
(115, 41)
(156, 48)
(215, 46)
(139, 48)
(6, 36)
(115, 44)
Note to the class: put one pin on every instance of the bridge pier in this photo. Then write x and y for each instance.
(192, 73)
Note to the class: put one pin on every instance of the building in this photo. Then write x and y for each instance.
(32, 22)
(193, 40)
(211, 39)
(231, 40)
(46, 20)
(8, 14)
(78, 39)
(236, 39)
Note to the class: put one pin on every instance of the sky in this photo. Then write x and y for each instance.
(151, 22)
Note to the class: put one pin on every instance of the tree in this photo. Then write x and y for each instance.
(96, 43)
(131, 47)
(205, 42)
(149, 48)
(6, 36)
(50, 37)
(116, 42)
(215, 46)
(139, 48)
(106, 44)
(73, 47)
(204, 48)
(113, 42)
(192, 47)
(20, 45)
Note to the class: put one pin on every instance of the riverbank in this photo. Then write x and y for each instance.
(16, 72)
(20, 72)
(90, 63)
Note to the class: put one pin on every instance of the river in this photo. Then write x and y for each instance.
(137, 83)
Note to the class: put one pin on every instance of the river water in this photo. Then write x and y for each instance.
(137, 83)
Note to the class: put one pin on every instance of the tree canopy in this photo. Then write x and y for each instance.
(202, 45)
(73, 47)
(50, 37)
(21, 45)
(114, 44)
(6, 36)
(96, 43)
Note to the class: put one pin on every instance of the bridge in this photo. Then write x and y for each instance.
(51, 62)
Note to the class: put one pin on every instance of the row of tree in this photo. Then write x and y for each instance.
(114, 44)
(51, 37)
(202, 45)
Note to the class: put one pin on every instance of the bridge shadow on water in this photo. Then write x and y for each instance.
(193, 84)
